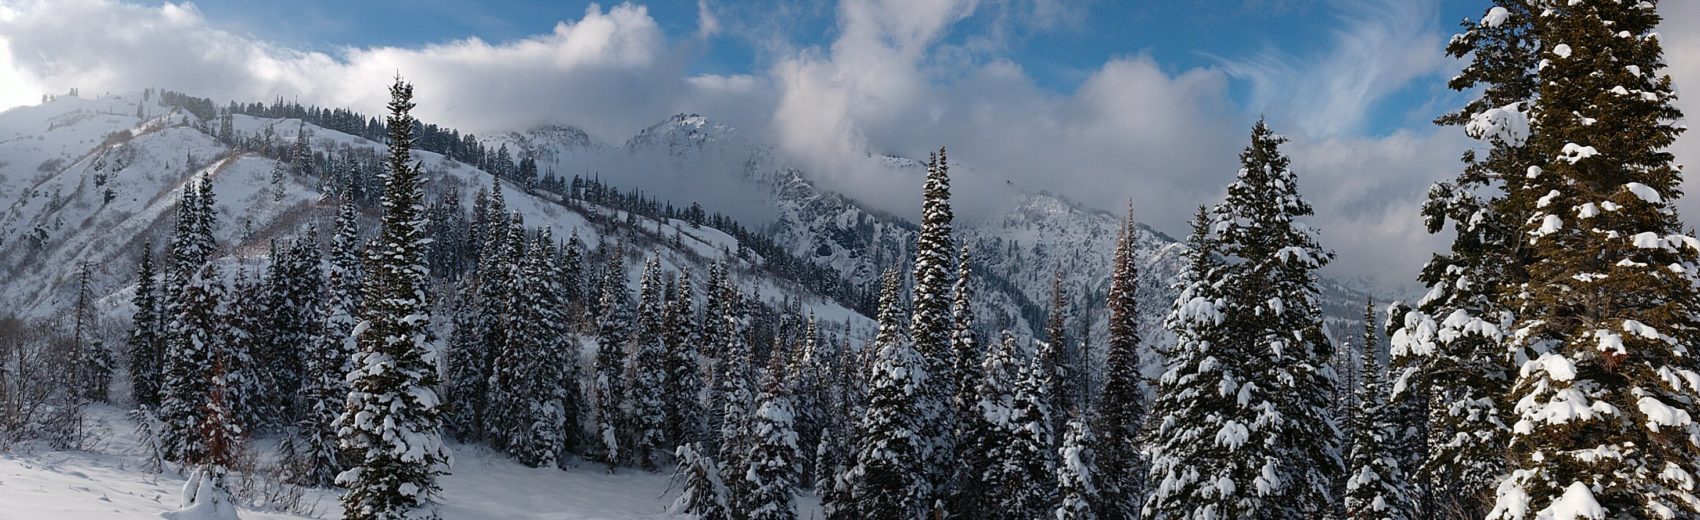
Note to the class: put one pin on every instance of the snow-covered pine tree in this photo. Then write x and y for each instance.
(1078, 475)
(733, 388)
(295, 289)
(190, 355)
(1275, 334)
(301, 155)
(1605, 395)
(964, 342)
(704, 495)
(1121, 405)
(391, 427)
(930, 328)
(890, 473)
(713, 333)
(1057, 359)
(774, 461)
(572, 272)
(1377, 488)
(147, 334)
(1197, 470)
(239, 322)
(328, 359)
(804, 372)
(530, 375)
(986, 433)
(278, 175)
(648, 413)
(483, 317)
(613, 333)
(682, 398)
(1448, 354)
(565, 357)
(1028, 462)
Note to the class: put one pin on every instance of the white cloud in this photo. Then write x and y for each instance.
(1375, 48)
(897, 79)
(707, 24)
(603, 71)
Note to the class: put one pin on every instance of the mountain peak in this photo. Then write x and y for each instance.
(682, 130)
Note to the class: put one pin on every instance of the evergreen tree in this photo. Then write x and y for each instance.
(329, 358)
(648, 414)
(1121, 407)
(890, 474)
(391, 425)
(683, 390)
(930, 328)
(1603, 415)
(805, 371)
(1274, 341)
(1028, 463)
(531, 371)
(774, 459)
(193, 348)
(1057, 360)
(1448, 355)
(147, 334)
(250, 385)
(572, 272)
(1077, 474)
(988, 432)
(613, 333)
(1376, 487)
(733, 384)
(481, 330)
(1197, 470)
(704, 494)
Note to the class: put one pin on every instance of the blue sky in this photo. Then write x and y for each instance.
(1058, 54)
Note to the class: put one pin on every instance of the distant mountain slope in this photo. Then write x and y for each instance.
(58, 161)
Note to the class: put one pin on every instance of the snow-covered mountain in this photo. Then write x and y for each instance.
(91, 181)
(61, 161)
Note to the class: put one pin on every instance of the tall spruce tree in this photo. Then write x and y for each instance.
(733, 388)
(890, 474)
(1275, 329)
(1121, 407)
(774, 460)
(930, 328)
(391, 427)
(1078, 475)
(329, 358)
(1377, 488)
(532, 370)
(648, 380)
(1197, 468)
(1448, 354)
(613, 334)
(1056, 358)
(147, 334)
(1028, 462)
(1604, 395)
(966, 357)
(190, 354)
(988, 432)
(683, 392)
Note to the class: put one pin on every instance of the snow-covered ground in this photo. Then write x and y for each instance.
(109, 480)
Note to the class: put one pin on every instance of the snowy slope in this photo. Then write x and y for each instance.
(149, 163)
(108, 481)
